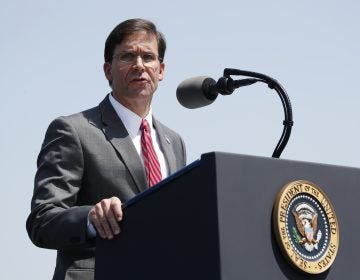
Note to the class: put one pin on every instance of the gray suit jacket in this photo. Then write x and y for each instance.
(87, 157)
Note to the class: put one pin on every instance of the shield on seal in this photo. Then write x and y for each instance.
(309, 233)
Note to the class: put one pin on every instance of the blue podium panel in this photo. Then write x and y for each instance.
(213, 220)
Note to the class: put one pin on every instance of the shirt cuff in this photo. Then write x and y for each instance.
(91, 231)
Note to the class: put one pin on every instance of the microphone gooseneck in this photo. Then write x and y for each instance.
(202, 91)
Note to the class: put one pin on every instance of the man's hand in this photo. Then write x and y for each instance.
(105, 217)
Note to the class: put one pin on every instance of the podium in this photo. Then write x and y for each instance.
(213, 220)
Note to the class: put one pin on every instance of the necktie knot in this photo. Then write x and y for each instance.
(144, 125)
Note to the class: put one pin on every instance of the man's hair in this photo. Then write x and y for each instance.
(129, 27)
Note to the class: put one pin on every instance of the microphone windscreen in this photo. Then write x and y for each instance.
(195, 92)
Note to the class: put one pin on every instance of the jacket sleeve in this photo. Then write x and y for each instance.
(56, 220)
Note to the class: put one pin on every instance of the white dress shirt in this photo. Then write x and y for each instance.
(132, 123)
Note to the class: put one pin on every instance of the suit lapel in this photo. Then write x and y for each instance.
(117, 134)
(165, 143)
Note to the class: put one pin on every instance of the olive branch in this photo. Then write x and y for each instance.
(296, 236)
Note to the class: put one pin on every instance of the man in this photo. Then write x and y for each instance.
(93, 161)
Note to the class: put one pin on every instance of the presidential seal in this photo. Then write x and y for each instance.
(306, 227)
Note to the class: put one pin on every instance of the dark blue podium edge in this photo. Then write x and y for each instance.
(161, 184)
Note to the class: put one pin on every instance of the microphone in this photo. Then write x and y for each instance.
(201, 91)
(196, 92)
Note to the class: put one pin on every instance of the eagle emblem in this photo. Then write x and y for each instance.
(306, 225)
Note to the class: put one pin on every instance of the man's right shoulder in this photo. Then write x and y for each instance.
(92, 116)
(89, 115)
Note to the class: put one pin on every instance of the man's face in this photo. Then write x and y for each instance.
(135, 70)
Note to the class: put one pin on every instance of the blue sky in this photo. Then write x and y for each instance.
(51, 65)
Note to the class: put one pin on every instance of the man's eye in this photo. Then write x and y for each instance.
(148, 57)
(127, 57)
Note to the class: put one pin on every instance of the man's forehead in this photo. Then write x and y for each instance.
(139, 39)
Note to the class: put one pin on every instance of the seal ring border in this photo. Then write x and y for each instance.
(292, 257)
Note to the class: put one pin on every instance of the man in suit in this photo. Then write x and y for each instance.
(93, 161)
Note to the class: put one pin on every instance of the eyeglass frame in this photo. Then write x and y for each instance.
(135, 57)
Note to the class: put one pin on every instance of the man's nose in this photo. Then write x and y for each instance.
(139, 63)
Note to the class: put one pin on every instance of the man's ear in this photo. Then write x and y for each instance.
(107, 71)
(161, 72)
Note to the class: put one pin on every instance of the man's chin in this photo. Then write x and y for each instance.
(141, 94)
(141, 90)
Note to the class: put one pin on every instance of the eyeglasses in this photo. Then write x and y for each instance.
(148, 59)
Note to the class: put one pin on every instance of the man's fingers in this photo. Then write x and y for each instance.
(116, 208)
(115, 229)
(94, 219)
(104, 209)
(99, 228)
(115, 214)
(105, 216)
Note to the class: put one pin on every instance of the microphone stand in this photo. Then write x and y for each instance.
(226, 85)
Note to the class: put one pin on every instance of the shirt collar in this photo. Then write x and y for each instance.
(130, 120)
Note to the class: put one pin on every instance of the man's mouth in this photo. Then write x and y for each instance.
(139, 80)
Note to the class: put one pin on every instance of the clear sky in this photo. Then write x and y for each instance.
(51, 64)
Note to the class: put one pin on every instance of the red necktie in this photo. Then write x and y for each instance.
(151, 162)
